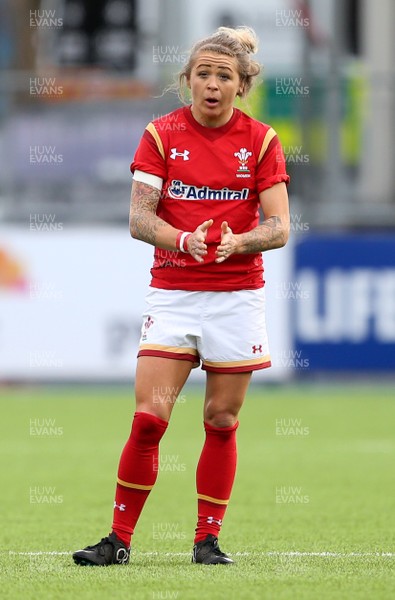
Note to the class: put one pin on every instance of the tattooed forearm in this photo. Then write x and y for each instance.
(144, 224)
(269, 235)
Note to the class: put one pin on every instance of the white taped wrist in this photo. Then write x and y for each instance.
(183, 237)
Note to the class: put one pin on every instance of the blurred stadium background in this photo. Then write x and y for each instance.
(80, 80)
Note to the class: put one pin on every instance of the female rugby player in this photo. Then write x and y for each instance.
(201, 174)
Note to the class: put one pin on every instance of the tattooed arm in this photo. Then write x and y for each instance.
(145, 225)
(272, 233)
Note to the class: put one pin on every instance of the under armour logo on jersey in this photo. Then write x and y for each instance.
(121, 507)
(174, 154)
(256, 349)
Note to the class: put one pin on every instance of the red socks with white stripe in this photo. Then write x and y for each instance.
(137, 472)
(214, 478)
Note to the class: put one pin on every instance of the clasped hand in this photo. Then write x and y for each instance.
(197, 247)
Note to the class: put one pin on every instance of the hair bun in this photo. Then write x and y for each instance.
(244, 35)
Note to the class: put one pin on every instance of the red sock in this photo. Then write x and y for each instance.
(214, 478)
(137, 472)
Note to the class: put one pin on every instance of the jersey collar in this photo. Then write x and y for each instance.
(211, 133)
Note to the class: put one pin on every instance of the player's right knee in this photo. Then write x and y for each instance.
(148, 426)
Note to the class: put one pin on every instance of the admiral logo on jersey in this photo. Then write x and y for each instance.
(182, 191)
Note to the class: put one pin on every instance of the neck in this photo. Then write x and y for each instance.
(208, 122)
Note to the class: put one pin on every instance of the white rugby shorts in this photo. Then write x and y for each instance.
(226, 331)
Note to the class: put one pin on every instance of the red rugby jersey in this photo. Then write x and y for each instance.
(210, 173)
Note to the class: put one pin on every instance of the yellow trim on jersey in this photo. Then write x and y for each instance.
(237, 363)
(270, 134)
(175, 349)
(151, 128)
(211, 499)
(135, 486)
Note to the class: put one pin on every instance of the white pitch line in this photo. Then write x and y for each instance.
(332, 554)
(52, 553)
(291, 554)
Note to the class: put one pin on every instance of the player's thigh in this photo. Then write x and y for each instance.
(225, 394)
(158, 383)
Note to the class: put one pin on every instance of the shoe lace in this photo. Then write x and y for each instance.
(103, 541)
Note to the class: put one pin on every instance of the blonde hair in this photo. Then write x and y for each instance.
(239, 43)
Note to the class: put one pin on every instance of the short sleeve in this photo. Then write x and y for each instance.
(149, 156)
(271, 169)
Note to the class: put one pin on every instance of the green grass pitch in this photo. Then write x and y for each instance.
(312, 514)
